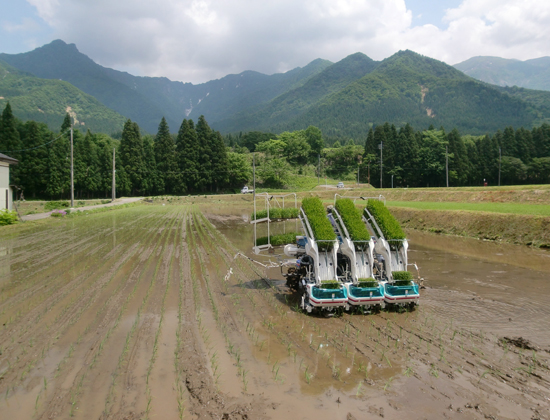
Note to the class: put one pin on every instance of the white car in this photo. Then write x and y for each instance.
(340, 185)
(246, 190)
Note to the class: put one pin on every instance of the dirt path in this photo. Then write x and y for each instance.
(117, 202)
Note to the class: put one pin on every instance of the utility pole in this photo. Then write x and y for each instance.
(381, 146)
(254, 192)
(114, 170)
(358, 167)
(72, 168)
(319, 170)
(447, 164)
(499, 163)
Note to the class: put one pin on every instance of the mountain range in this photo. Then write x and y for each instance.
(344, 99)
(531, 74)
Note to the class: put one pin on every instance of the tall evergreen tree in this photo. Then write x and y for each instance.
(152, 184)
(131, 155)
(220, 168)
(187, 148)
(408, 157)
(370, 144)
(33, 167)
(165, 156)
(87, 176)
(525, 145)
(59, 163)
(10, 141)
(204, 137)
(508, 142)
(458, 159)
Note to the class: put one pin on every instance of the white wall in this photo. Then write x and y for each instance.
(5, 186)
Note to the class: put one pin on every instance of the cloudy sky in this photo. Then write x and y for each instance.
(200, 40)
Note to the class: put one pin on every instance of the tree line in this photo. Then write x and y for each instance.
(195, 160)
(410, 158)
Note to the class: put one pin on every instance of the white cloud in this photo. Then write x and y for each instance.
(198, 40)
(26, 25)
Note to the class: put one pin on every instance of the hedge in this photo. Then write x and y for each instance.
(317, 216)
(352, 219)
(390, 227)
(277, 213)
(286, 238)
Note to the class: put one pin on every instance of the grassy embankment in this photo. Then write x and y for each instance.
(519, 215)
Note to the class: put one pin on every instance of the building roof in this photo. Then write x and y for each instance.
(7, 159)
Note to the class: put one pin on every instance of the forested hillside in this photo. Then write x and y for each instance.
(47, 101)
(147, 99)
(344, 99)
(404, 88)
(531, 74)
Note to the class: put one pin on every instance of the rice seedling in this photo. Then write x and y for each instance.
(388, 383)
(307, 375)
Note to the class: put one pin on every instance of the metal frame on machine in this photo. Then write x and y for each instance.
(267, 200)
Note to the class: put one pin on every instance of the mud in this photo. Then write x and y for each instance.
(146, 313)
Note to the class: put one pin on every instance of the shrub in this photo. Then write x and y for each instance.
(390, 227)
(286, 238)
(52, 205)
(277, 213)
(58, 213)
(316, 214)
(352, 219)
(8, 217)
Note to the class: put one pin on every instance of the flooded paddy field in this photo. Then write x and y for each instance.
(146, 312)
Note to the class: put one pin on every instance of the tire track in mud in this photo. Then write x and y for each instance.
(203, 397)
(283, 344)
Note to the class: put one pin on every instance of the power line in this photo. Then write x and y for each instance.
(33, 148)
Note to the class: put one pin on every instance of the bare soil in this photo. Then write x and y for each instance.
(147, 312)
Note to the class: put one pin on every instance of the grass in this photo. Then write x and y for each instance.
(508, 208)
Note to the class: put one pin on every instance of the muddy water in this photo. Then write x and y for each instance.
(486, 286)
(140, 322)
(482, 285)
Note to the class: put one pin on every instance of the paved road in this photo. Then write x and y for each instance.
(117, 202)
